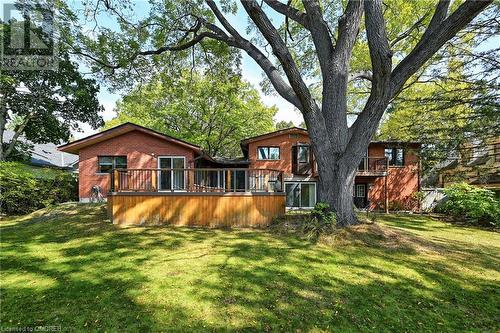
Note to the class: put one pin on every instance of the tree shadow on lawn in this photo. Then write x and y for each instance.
(361, 288)
(85, 274)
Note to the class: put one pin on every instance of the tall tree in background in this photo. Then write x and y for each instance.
(215, 112)
(283, 124)
(329, 32)
(44, 106)
(459, 103)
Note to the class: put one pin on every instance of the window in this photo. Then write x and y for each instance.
(497, 152)
(268, 153)
(360, 190)
(300, 195)
(395, 156)
(171, 179)
(107, 163)
(303, 154)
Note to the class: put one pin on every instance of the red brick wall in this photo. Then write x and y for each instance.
(285, 142)
(141, 150)
(402, 181)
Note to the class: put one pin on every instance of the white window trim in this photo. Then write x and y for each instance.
(357, 190)
(172, 174)
(269, 151)
(300, 197)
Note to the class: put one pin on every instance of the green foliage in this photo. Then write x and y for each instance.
(20, 153)
(44, 106)
(321, 220)
(214, 111)
(24, 189)
(283, 124)
(474, 204)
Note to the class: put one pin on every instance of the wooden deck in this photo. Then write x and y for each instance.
(196, 209)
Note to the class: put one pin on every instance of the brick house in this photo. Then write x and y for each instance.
(127, 146)
(154, 162)
(389, 170)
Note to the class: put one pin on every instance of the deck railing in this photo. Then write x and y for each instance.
(196, 180)
(373, 165)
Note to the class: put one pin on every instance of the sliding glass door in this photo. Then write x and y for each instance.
(300, 195)
(171, 180)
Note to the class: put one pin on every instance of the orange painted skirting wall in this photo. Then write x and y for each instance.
(188, 209)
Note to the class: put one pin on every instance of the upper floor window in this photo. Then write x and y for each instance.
(303, 154)
(107, 163)
(268, 153)
(497, 152)
(395, 156)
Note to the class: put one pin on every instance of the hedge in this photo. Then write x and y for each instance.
(24, 189)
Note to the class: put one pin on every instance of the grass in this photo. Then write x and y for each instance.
(68, 266)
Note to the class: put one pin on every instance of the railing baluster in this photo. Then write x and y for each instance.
(196, 180)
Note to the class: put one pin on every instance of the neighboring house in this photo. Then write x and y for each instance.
(270, 163)
(477, 164)
(46, 154)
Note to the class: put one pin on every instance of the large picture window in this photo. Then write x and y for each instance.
(107, 163)
(268, 153)
(395, 156)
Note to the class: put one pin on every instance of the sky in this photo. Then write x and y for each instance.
(251, 72)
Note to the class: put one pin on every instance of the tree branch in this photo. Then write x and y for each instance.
(17, 133)
(436, 35)
(236, 40)
(320, 35)
(408, 32)
(335, 83)
(289, 12)
(381, 58)
(365, 75)
(281, 52)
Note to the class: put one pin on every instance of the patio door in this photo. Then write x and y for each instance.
(300, 195)
(171, 180)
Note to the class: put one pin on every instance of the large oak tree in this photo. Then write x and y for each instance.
(329, 30)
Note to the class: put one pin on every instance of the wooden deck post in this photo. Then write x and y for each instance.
(116, 181)
(228, 180)
(154, 180)
(386, 187)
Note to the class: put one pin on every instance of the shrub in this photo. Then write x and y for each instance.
(322, 220)
(24, 189)
(474, 204)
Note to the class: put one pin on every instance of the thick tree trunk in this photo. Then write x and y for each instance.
(335, 188)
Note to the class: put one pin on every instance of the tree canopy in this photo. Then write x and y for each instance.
(283, 124)
(44, 106)
(213, 111)
(456, 103)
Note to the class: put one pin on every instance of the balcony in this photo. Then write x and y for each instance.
(197, 180)
(373, 166)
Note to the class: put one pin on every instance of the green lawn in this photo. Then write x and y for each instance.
(69, 266)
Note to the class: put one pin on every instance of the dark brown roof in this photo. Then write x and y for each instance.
(75, 146)
(275, 133)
